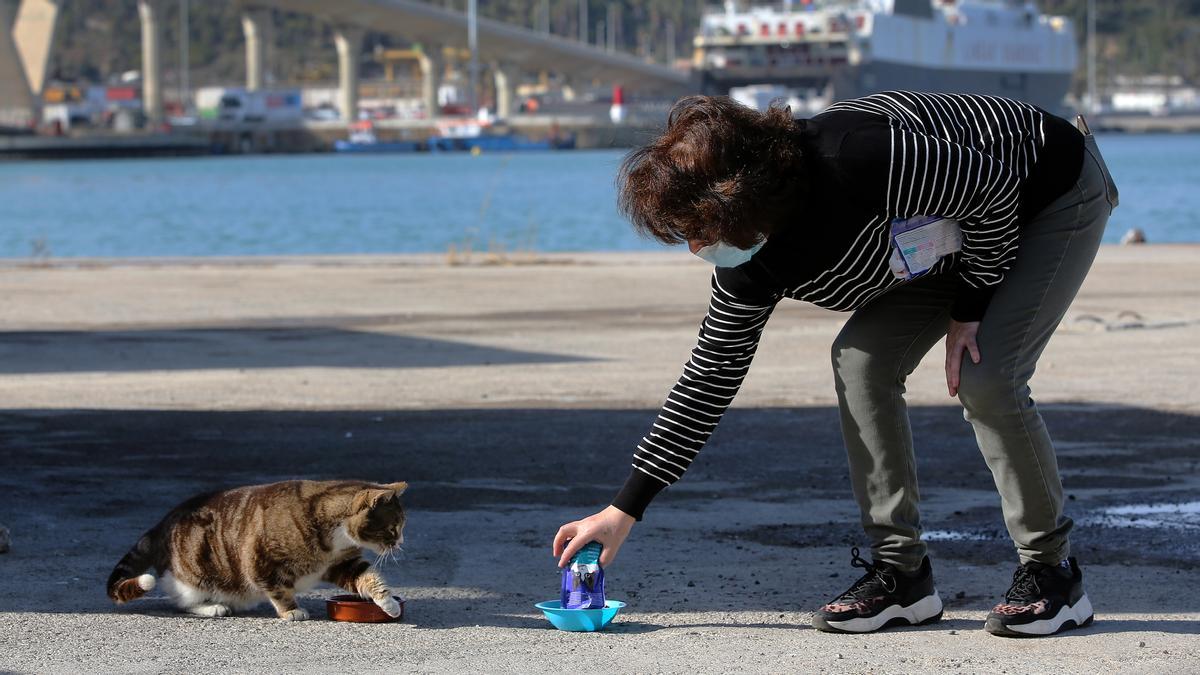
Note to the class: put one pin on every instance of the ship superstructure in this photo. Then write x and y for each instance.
(848, 48)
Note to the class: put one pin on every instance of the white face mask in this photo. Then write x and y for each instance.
(727, 255)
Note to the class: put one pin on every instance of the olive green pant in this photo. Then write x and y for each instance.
(882, 343)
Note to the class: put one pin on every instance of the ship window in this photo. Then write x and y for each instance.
(799, 28)
(764, 30)
(782, 29)
(1014, 81)
(742, 29)
(922, 9)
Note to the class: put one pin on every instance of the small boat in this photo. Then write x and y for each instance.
(476, 136)
(363, 140)
(496, 143)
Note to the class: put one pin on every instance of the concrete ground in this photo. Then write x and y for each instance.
(510, 396)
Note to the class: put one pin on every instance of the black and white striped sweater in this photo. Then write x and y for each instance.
(988, 162)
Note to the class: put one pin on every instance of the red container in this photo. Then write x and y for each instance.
(120, 94)
(359, 610)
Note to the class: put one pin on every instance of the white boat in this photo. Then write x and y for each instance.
(850, 48)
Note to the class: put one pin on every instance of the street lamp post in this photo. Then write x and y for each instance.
(185, 88)
(473, 67)
(583, 21)
(1093, 102)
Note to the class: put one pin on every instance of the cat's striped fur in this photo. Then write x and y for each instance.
(222, 551)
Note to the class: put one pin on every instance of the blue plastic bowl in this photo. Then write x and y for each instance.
(579, 619)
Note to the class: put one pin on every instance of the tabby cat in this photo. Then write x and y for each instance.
(222, 551)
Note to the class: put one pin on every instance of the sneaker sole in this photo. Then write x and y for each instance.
(927, 610)
(1080, 615)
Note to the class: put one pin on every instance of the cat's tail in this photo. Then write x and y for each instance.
(129, 580)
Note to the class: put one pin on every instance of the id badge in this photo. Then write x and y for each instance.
(919, 242)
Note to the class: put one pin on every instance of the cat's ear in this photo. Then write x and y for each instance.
(398, 487)
(368, 499)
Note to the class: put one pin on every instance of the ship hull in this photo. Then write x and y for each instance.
(1044, 89)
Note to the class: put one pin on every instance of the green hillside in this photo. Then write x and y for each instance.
(1139, 37)
(99, 39)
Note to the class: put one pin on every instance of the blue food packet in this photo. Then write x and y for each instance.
(583, 579)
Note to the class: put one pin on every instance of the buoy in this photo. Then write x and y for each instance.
(1134, 236)
(617, 112)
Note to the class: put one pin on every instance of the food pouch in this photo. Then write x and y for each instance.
(583, 579)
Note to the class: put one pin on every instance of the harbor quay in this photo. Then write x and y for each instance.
(583, 131)
(509, 392)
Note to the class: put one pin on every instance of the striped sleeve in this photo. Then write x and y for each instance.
(936, 177)
(728, 339)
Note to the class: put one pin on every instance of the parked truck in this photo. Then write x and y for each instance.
(237, 105)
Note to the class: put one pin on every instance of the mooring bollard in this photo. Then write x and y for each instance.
(1134, 236)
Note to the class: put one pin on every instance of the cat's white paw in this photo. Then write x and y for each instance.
(298, 614)
(389, 606)
(213, 610)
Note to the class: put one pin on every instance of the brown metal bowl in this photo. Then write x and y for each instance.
(359, 610)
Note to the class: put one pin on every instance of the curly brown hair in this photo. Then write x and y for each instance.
(719, 171)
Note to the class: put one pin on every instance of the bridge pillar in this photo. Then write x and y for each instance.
(255, 23)
(16, 100)
(33, 33)
(432, 67)
(502, 77)
(152, 93)
(348, 40)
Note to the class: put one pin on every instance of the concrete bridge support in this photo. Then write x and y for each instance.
(255, 24)
(152, 93)
(504, 79)
(16, 101)
(33, 33)
(348, 40)
(433, 66)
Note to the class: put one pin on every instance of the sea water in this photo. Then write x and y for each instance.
(334, 204)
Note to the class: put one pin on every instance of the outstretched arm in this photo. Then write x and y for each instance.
(728, 339)
(737, 313)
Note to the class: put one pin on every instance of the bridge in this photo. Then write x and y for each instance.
(507, 50)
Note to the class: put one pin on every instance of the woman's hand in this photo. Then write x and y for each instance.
(609, 527)
(960, 337)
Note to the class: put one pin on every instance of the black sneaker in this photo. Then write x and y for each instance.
(1043, 600)
(883, 597)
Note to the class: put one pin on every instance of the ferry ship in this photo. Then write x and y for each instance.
(839, 49)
